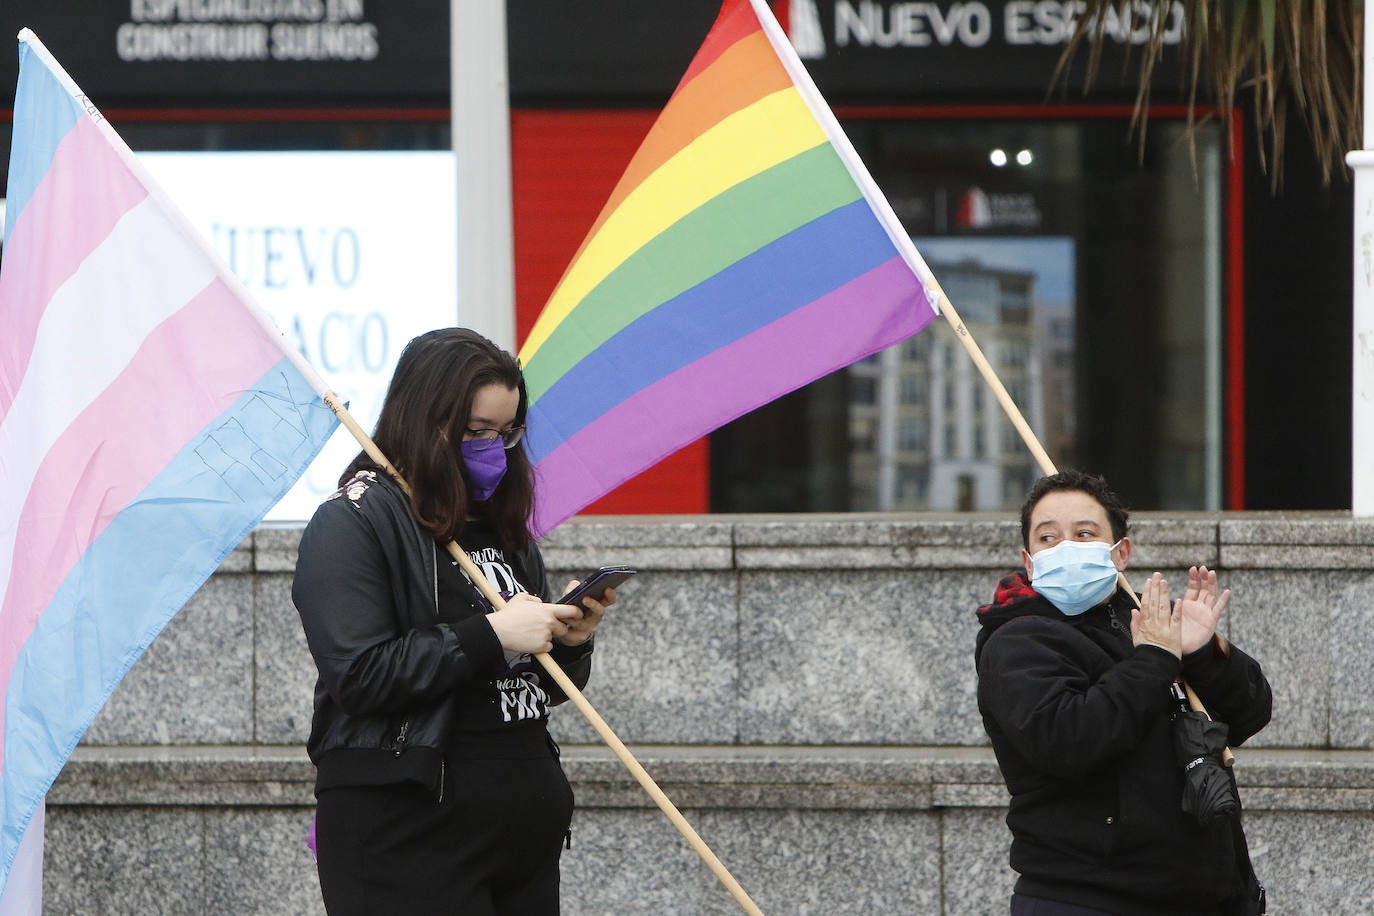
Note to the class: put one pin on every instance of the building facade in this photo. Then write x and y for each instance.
(1137, 294)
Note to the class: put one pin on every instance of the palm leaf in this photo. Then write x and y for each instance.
(1299, 56)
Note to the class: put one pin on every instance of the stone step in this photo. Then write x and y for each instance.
(694, 776)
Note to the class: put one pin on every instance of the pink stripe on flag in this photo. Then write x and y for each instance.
(680, 406)
(111, 453)
(41, 256)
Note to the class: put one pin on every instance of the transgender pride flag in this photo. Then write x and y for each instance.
(745, 252)
(150, 415)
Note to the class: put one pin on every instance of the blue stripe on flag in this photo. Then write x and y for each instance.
(44, 113)
(772, 282)
(153, 556)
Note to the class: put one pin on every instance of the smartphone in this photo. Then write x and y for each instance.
(595, 585)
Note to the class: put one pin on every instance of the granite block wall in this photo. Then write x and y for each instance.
(802, 686)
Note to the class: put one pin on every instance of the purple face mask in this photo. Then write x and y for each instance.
(486, 466)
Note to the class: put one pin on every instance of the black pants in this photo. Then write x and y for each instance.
(490, 848)
(1022, 905)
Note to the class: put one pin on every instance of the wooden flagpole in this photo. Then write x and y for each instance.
(1037, 450)
(990, 376)
(581, 702)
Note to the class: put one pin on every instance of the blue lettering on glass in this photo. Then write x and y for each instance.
(328, 349)
(271, 255)
(307, 262)
(374, 342)
(350, 342)
(346, 244)
(277, 257)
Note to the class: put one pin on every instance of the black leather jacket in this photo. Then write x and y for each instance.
(392, 669)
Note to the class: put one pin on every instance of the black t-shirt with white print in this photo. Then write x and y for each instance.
(515, 692)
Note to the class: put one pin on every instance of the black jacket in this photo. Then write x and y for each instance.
(394, 672)
(1080, 721)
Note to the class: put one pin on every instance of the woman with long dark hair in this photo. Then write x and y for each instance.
(439, 789)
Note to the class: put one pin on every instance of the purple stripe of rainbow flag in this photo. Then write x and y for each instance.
(149, 416)
(745, 252)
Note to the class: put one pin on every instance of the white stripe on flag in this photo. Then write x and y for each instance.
(89, 332)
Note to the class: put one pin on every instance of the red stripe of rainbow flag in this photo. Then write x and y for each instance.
(744, 253)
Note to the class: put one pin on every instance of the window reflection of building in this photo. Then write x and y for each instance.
(940, 440)
(1055, 331)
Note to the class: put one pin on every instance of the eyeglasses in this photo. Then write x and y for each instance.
(483, 439)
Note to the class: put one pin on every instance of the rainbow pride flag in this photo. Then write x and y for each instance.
(150, 415)
(745, 252)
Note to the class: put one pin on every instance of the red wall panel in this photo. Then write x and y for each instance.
(564, 165)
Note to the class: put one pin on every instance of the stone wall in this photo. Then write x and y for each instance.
(801, 686)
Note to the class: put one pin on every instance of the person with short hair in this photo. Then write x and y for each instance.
(1074, 691)
(439, 788)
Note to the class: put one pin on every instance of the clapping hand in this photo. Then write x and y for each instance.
(1201, 607)
(1158, 622)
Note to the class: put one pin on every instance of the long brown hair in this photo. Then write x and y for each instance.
(422, 423)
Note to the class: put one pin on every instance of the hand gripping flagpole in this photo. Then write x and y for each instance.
(1037, 450)
(569, 688)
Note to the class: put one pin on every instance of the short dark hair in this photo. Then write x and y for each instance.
(1069, 479)
(423, 420)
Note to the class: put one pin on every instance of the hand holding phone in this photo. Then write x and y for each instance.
(594, 585)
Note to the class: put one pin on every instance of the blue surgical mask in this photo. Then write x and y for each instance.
(1075, 575)
(486, 466)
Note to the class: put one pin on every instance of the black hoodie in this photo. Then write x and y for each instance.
(1080, 721)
